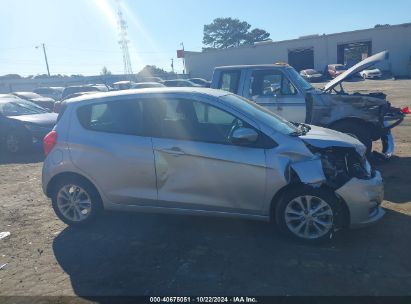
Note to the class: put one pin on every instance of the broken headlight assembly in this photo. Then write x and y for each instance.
(342, 164)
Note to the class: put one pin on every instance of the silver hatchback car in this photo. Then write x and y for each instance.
(205, 152)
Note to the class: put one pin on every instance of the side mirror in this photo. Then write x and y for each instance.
(244, 136)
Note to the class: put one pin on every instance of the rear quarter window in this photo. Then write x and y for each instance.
(229, 81)
(121, 117)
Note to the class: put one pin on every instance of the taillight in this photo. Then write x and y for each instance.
(49, 141)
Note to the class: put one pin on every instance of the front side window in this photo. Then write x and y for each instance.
(229, 81)
(185, 119)
(122, 117)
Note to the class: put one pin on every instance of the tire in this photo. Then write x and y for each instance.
(76, 201)
(357, 130)
(296, 219)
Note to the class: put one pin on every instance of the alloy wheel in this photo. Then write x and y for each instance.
(308, 217)
(74, 203)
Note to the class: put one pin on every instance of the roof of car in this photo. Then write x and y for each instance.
(147, 83)
(252, 66)
(171, 80)
(6, 99)
(165, 90)
(123, 82)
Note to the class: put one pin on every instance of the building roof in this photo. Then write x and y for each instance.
(308, 37)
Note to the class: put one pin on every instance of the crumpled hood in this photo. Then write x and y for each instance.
(45, 120)
(361, 66)
(325, 138)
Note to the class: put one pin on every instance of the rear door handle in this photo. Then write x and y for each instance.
(174, 151)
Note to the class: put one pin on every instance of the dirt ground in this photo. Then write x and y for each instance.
(140, 254)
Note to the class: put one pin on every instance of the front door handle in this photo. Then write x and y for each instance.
(174, 151)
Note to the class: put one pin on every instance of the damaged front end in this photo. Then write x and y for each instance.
(354, 182)
(333, 108)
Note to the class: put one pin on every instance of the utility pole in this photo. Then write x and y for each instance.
(172, 65)
(184, 59)
(45, 57)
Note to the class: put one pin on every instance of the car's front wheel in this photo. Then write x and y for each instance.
(75, 201)
(309, 214)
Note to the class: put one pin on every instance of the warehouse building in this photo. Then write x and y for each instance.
(314, 51)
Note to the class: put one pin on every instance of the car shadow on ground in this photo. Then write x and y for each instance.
(24, 158)
(397, 179)
(146, 254)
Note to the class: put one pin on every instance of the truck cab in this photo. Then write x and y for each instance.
(282, 90)
(277, 87)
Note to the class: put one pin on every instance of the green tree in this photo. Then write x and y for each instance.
(257, 35)
(152, 70)
(223, 33)
(105, 72)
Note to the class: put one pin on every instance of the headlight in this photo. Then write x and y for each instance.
(342, 164)
(358, 166)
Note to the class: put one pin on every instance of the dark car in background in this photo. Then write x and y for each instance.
(44, 102)
(76, 91)
(52, 92)
(201, 82)
(312, 75)
(152, 79)
(180, 83)
(83, 88)
(23, 124)
(122, 85)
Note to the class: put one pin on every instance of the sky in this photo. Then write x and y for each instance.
(81, 36)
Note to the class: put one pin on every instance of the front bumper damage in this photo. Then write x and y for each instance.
(363, 198)
(362, 195)
(391, 119)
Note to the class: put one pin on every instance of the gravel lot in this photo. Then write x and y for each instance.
(139, 254)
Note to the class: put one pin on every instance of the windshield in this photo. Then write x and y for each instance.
(20, 107)
(261, 114)
(300, 81)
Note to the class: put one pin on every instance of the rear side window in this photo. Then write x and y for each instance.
(229, 81)
(122, 117)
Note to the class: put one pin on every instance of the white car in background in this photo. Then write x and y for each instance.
(371, 73)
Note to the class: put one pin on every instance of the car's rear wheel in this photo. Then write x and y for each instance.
(75, 201)
(308, 214)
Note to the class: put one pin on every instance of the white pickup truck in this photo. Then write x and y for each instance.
(281, 89)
